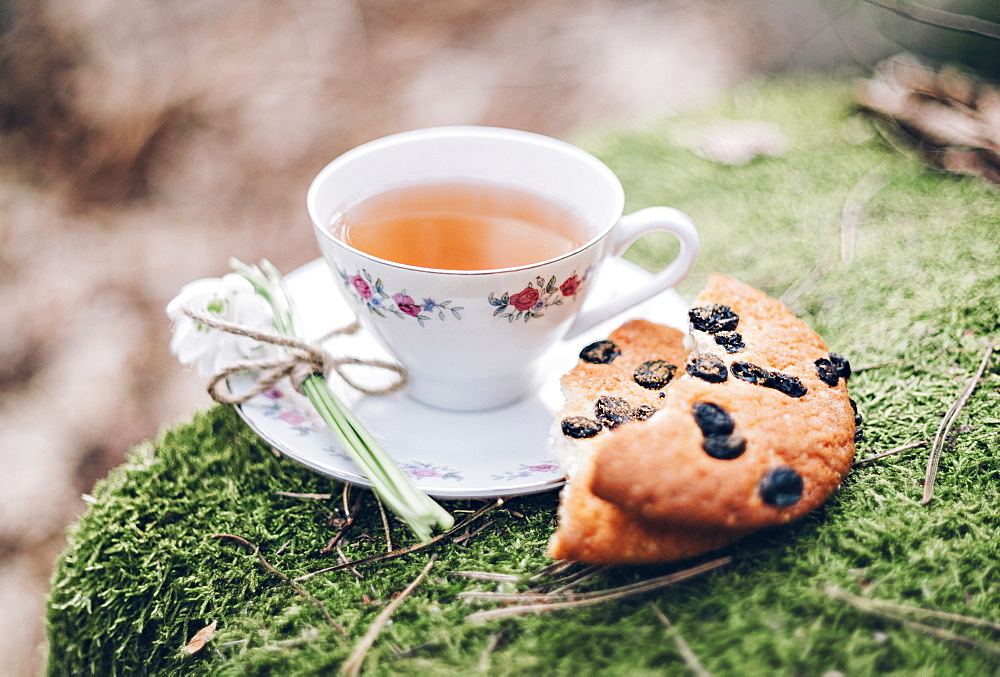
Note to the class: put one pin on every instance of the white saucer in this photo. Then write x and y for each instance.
(497, 453)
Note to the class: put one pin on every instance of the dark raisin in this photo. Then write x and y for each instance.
(600, 352)
(707, 366)
(654, 374)
(613, 411)
(842, 366)
(643, 412)
(780, 487)
(730, 340)
(714, 318)
(748, 371)
(857, 417)
(662, 394)
(789, 385)
(859, 434)
(580, 427)
(724, 448)
(827, 372)
(717, 426)
(713, 420)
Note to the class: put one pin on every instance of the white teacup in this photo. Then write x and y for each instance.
(471, 339)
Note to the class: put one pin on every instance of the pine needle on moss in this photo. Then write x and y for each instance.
(295, 586)
(683, 648)
(903, 613)
(949, 419)
(569, 600)
(352, 666)
(408, 549)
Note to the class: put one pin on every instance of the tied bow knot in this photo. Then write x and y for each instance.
(300, 361)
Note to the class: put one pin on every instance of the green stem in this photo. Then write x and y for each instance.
(395, 488)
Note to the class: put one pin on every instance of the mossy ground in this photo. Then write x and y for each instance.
(918, 303)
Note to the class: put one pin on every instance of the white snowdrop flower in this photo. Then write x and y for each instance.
(233, 299)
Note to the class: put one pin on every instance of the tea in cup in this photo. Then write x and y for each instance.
(467, 252)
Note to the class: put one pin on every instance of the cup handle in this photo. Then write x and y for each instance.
(628, 229)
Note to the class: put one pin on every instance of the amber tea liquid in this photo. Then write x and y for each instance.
(460, 226)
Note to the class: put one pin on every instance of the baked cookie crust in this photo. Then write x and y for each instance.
(753, 429)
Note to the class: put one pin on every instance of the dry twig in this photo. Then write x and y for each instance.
(552, 569)
(315, 497)
(460, 540)
(559, 575)
(487, 576)
(344, 560)
(405, 551)
(295, 586)
(345, 525)
(806, 283)
(901, 612)
(578, 578)
(552, 602)
(905, 447)
(852, 213)
(945, 428)
(484, 658)
(875, 365)
(690, 659)
(352, 666)
(385, 524)
(939, 18)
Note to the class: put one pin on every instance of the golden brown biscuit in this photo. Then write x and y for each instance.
(786, 447)
(595, 531)
(634, 363)
(753, 428)
(608, 369)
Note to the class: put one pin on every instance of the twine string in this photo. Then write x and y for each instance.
(300, 361)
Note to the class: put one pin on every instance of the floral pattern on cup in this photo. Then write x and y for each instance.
(532, 301)
(371, 292)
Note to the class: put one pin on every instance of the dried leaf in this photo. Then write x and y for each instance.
(200, 639)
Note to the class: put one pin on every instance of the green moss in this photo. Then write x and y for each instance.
(142, 571)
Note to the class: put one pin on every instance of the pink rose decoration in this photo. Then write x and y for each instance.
(361, 286)
(525, 299)
(405, 303)
(569, 287)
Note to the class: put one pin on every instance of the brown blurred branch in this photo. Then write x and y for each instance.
(939, 18)
(951, 119)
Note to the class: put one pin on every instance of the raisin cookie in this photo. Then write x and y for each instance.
(616, 380)
(753, 427)
(599, 532)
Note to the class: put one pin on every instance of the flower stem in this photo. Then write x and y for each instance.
(417, 509)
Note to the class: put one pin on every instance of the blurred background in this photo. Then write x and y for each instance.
(144, 142)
